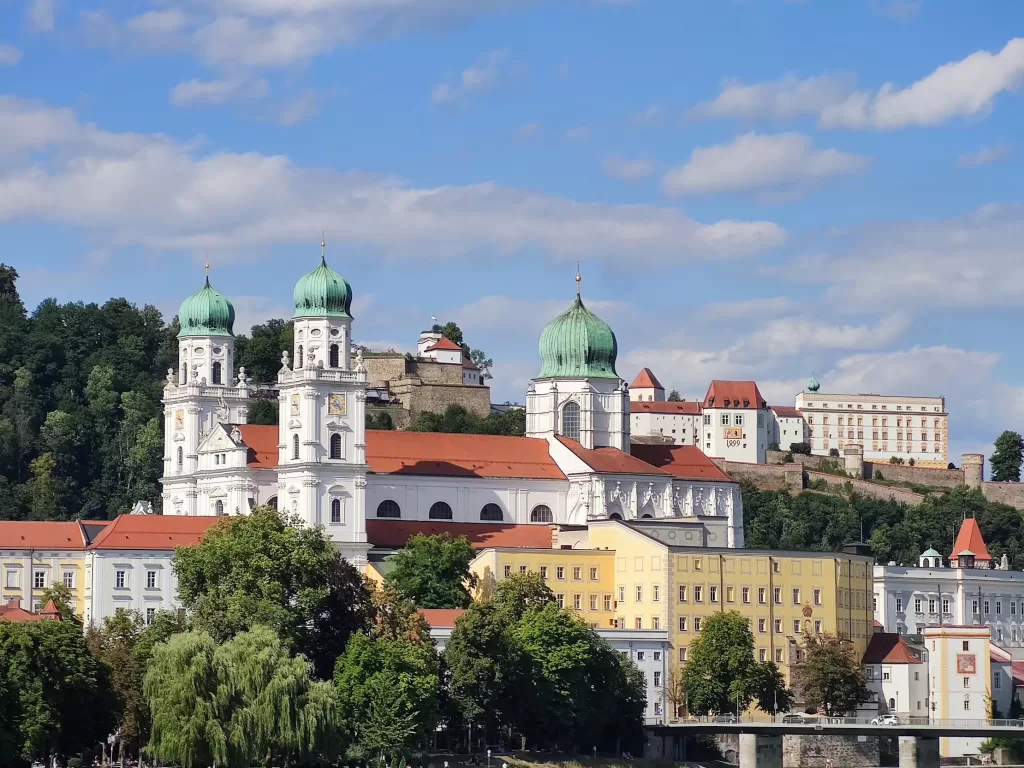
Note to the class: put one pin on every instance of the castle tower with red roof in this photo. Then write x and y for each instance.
(969, 550)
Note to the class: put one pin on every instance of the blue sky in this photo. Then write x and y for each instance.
(755, 189)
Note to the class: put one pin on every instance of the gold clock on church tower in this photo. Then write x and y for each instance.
(337, 405)
(179, 419)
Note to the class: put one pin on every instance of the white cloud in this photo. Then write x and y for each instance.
(646, 116)
(482, 75)
(9, 55)
(42, 15)
(528, 130)
(792, 335)
(203, 93)
(582, 133)
(735, 310)
(783, 99)
(957, 89)
(303, 107)
(241, 204)
(986, 155)
(626, 170)
(785, 161)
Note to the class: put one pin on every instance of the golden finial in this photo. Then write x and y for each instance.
(207, 273)
(323, 247)
(579, 278)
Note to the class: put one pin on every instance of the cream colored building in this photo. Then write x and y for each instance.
(885, 425)
(959, 681)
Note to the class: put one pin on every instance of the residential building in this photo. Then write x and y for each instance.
(960, 681)
(970, 592)
(910, 428)
(13, 612)
(897, 676)
(678, 423)
(737, 422)
(34, 555)
(646, 388)
(788, 427)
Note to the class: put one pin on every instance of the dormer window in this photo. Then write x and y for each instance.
(746, 403)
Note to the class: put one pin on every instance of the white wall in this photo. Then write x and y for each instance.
(106, 597)
(900, 688)
(684, 429)
(755, 428)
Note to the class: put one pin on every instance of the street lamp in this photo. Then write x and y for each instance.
(488, 758)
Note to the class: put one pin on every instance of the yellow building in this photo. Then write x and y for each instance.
(36, 555)
(583, 580)
(784, 595)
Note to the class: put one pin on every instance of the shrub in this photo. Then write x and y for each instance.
(804, 448)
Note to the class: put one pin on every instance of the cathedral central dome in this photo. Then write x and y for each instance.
(578, 344)
(206, 313)
(322, 293)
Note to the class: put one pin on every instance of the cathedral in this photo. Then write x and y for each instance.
(574, 465)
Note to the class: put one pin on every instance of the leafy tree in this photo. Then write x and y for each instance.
(834, 453)
(266, 569)
(456, 419)
(379, 420)
(911, 462)
(63, 600)
(895, 459)
(1004, 465)
(721, 674)
(260, 352)
(433, 571)
(674, 397)
(804, 448)
(831, 677)
(57, 701)
(450, 331)
(116, 645)
(234, 703)
(483, 362)
(263, 410)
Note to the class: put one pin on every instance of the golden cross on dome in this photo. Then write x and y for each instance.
(579, 278)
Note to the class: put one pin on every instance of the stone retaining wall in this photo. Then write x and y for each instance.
(901, 473)
(765, 476)
(864, 488)
(812, 751)
(1006, 493)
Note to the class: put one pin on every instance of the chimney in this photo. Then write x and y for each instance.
(14, 602)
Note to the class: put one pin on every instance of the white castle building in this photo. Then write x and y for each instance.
(575, 463)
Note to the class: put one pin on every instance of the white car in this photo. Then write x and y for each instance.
(886, 720)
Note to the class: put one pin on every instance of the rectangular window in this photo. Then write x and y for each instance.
(39, 580)
(746, 595)
(523, 569)
(639, 594)
(999, 607)
(657, 679)
(593, 573)
(561, 600)
(761, 593)
(11, 579)
(655, 622)
(119, 579)
(945, 606)
(657, 655)
(778, 655)
(817, 627)
(607, 602)
(560, 573)
(593, 602)
(763, 655)
(931, 606)
(150, 579)
(725, 419)
(622, 594)
(682, 623)
(698, 595)
(508, 571)
(966, 645)
(69, 579)
(762, 625)
(656, 593)
(577, 573)
(776, 566)
(997, 681)
(899, 604)
(737, 419)
(778, 626)
(544, 572)
(1013, 608)
(917, 605)
(150, 612)
(696, 624)
(777, 593)
(639, 623)
(986, 606)
(730, 594)
(817, 597)
(974, 606)
(577, 601)
(682, 651)
(796, 597)
(885, 674)
(682, 594)
(967, 682)
(796, 626)
(713, 594)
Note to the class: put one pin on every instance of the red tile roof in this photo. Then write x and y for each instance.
(684, 408)
(734, 394)
(161, 532)
(786, 412)
(469, 365)
(444, 343)
(686, 462)
(609, 460)
(20, 534)
(13, 612)
(396, 533)
(889, 648)
(646, 380)
(262, 441)
(998, 655)
(969, 539)
(457, 455)
(1017, 671)
(441, 617)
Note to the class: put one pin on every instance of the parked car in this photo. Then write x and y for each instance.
(886, 720)
(793, 719)
(729, 718)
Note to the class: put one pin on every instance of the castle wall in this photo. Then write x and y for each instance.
(940, 478)
(1005, 493)
(767, 476)
(381, 369)
(864, 488)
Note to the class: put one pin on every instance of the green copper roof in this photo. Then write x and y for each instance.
(813, 385)
(322, 293)
(930, 553)
(206, 313)
(578, 344)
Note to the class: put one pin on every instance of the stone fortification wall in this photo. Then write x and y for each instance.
(437, 373)
(812, 462)
(767, 476)
(939, 478)
(865, 488)
(1005, 493)
(800, 751)
(437, 397)
(381, 369)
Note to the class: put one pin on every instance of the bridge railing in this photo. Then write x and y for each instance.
(812, 720)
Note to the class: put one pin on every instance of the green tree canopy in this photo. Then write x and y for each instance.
(1004, 466)
(433, 571)
(673, 396)
(456, 419)
(115, 644)
(260, 352)
(263, 410)
(721, 675)
(265, 569)
(831, 676)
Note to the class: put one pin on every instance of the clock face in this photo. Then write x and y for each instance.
(337, 404)
(179, 419)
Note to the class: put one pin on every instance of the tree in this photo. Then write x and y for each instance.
(1005, 463)
(433, 571)
(833, 452)
(911, 462)
(63, 600)
(379, 420)
(57, 701)
(831, 677)
(804, 448)
(721, 674)
(117, 642)
(450, 331)
(483, 362)
(895, 459)
(267, 569)
(263, 410)
(456, 419)
(234, 703)
(673, 396)
(260, 353)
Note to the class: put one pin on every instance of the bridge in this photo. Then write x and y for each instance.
(761, 740)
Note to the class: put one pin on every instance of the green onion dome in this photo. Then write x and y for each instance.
(813, 385)
(578, 344)
(322, 293)
(206, 313)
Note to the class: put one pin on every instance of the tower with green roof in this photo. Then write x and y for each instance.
(578, 394)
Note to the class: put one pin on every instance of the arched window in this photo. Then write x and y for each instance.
(218, 508)
(333, 356)
(491, 512)
(335, 510)
(300, 363)
(440, 511)
(336, 446)
(184, 372)
(181, 459)
(571, 420)
(892, 705)
(389, 508)
(646, 516)
(542, 514)
(216, 372)
(295, 446)
(614, 516)
(272, 502)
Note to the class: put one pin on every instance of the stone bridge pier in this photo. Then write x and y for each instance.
(919, 752)
(761, 751)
